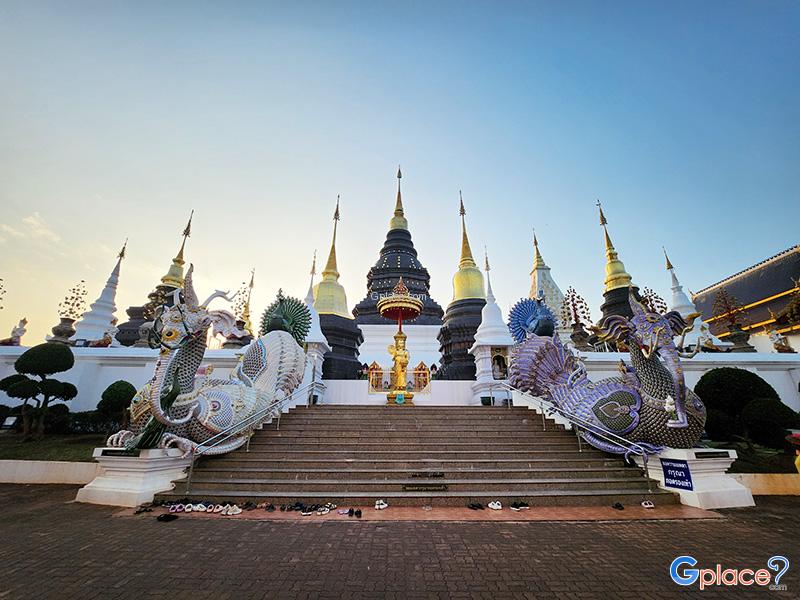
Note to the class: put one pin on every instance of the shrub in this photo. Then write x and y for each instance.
(57, 419)
(721, 427)
(766, 420)
(91, 421)
(729, 390)
(115, 401)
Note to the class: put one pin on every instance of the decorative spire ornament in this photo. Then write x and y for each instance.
(399, 220)
(329, 295)
(174, 276)
(468, 280)
(616, 275)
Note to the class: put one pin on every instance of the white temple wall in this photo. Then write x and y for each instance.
(96, 368)
(422, 344)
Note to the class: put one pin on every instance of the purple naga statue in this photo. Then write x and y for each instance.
(648, 403)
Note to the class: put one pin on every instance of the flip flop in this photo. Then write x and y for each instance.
(166, 517)
(648, 504)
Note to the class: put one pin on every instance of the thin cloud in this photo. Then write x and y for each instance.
(11, 231)
(38, 228)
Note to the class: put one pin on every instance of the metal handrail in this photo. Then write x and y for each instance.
(226, 434)
(580, 423)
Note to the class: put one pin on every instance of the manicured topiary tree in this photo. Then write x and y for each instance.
(730, 390)
(114, 403)
(766, 420)
(40, 361)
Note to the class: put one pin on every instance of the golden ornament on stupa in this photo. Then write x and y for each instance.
(400, 306)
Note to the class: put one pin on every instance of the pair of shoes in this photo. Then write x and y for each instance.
(427, 507)
(249, 506)
(617, 506)
(283, 508)
(495, 505)
(230, 510)
(648, 504)
(270, 507)
(176, 508)
(358, 513)
(475, 506)
(330, 505)
(166, 517)
(351, 512)
(218, 508)
(380, 505)
(344, 511)
(142, 509)
(519, 506)
(323, 510)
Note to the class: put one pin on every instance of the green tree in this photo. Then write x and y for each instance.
(40, 361)
(115, 400)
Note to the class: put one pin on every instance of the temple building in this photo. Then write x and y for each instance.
(398, 258)
(617, 280)
(99, 322)
(764, 298)
(542, 283)
(463, 315)
(131, 332)
(338, 326)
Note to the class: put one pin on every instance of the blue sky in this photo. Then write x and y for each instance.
(116, 119)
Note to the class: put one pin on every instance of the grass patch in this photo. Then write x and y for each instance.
(73, 448)
(757, 459)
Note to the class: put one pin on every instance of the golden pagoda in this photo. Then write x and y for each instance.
(174, 276)
(329, 295)
(616, 275)
(468, 280)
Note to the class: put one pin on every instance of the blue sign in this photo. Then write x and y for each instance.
(677, 474)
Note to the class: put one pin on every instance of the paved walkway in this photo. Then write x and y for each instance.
(53, 548)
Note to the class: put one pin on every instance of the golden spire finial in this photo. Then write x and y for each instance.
(616, 275)
(121, 254)
(466, 251)
(468, 280)
(669, 264)
(174, 276)
(331, 269)
(399, 220)
(486, 259)
(538, 261)
(314, 264)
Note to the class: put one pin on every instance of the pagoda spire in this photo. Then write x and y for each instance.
(487, 268)
(680, 301)
(99, 318)
(310, 294)
(174, 276)
(331, 269)
(399, 219)
(616, 275)
(329, 295)
(468, 280)
(466, 251)
(248, 325)
(538, 261)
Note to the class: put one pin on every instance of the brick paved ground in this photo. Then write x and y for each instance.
(52, 548)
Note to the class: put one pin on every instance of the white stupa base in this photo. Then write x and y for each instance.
(711, 486)
(133, 480)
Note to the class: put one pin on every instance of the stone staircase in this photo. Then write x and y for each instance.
(414, 456)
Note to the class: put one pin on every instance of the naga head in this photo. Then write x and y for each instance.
(187, 319)
(650, 332)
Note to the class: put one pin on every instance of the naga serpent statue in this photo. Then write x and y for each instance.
(182, 406)
(648, 403)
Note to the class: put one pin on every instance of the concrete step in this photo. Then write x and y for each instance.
(399, 485)
(323, 454)
(294, 464)
(407, 444)
(584, 497)
(422, 476)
